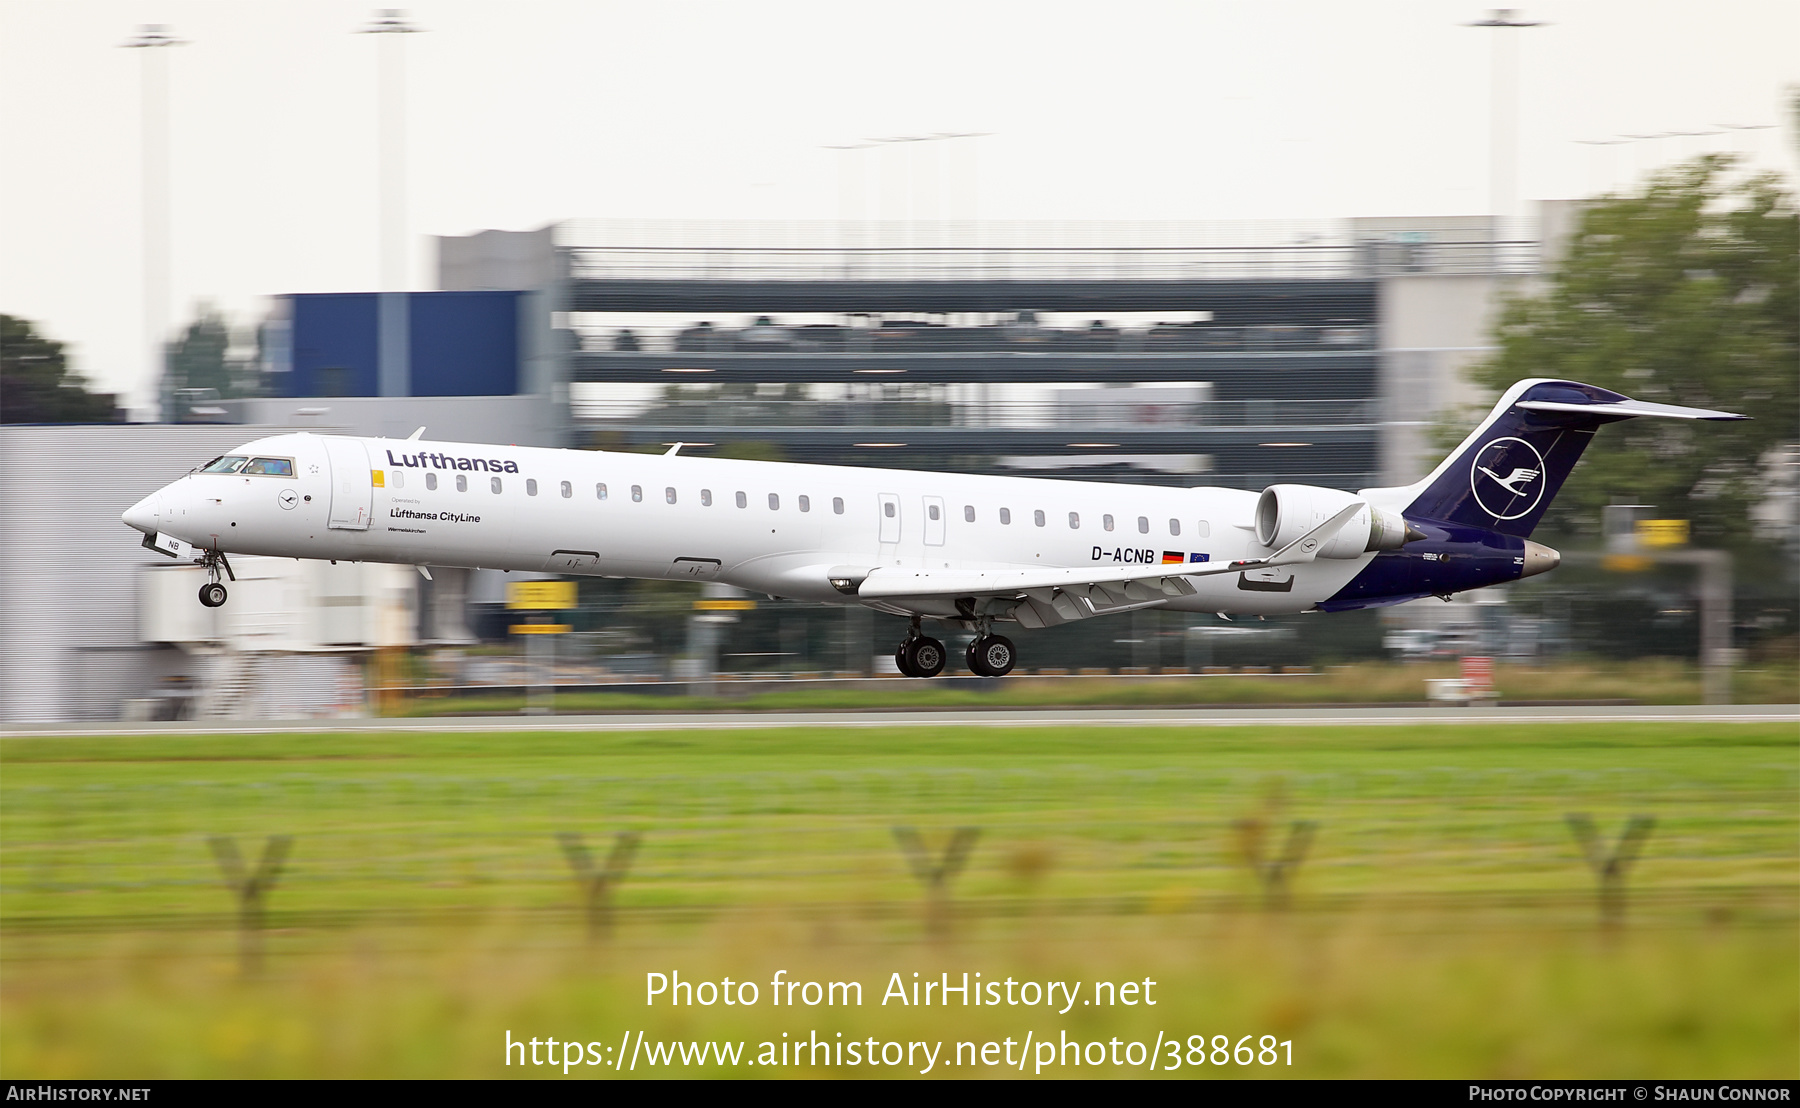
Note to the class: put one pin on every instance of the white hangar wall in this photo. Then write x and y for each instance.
(89, 619)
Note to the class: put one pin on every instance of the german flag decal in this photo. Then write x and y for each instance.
(1173, 558)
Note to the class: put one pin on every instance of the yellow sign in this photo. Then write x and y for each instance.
(540, 596)
(540, 629)
(724, 605)
(1662, 532)
(375, 478)
(1626, 563)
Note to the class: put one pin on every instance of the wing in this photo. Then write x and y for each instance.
(1051, 596)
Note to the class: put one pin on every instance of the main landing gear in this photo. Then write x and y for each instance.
(991, 656)
(212, 594)
(919, 655)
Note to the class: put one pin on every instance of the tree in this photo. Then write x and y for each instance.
(1685, 294)
(36, 385)
(202, 359)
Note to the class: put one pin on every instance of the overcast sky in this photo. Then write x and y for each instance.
(529, 111)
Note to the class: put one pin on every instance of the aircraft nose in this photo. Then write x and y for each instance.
(146, 515)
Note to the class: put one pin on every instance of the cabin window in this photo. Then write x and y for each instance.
(706, 498)
(1106, 521)
(774, 503)
(669, 495)
(531, 486)
(568, 490)
(599, 489)
(837, 505)
(1074, 521)
(932, 511)
(494, 483)
(396, 479)
(1037, 517)
(805, 503)
(1174, 527)
(888, 509)
(431, 482)
(462, 482)
(227, 464)
(1143, 525)
(968, 513)
(1203, 530)
(637, 494)
(272, 467)
(742, 500)
(1006, 515)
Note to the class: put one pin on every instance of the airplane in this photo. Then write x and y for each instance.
(967, 551)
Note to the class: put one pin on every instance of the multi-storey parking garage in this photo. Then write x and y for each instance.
(1251, 380)
(1236, 365)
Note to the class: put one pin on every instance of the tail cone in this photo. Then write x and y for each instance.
(1539, 559)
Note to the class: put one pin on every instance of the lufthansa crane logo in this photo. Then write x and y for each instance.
(1507, 478)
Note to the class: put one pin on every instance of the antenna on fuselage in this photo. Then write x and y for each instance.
(674, 450)
(415, 434)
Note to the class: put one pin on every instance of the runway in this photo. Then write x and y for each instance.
(1045, 717)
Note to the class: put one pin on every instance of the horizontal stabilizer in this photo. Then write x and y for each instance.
(1627, 409)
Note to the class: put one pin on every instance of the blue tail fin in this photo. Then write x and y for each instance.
(1504, 475)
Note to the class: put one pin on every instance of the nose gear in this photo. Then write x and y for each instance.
(212, 594)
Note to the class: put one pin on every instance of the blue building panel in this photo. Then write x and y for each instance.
(335, 345)
(464, 343)
(458, 344)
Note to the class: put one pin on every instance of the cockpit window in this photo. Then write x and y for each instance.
(273, 467)
(227, 464)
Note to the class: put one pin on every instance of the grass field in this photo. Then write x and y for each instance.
(1443, 922)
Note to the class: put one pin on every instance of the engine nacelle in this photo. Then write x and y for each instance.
(1285, 512)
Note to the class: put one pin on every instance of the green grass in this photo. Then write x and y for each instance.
(1646, 681)
(1443, 923)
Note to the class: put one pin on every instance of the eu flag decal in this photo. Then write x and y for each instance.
(1196, 557)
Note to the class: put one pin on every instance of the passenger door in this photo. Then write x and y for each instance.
(352, 493)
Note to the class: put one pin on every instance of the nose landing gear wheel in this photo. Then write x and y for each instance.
(212, 594)
(923, 657)
(992, 656)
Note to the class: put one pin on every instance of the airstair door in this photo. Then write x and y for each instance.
(352, 493)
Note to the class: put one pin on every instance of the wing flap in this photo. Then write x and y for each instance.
(1049, 589)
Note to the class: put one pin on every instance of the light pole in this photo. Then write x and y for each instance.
(152, 38)
(1503, 135)
(394, 357)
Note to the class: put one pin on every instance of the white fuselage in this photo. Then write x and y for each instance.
(769, 527)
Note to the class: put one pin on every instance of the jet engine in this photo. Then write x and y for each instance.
(1285, 512)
